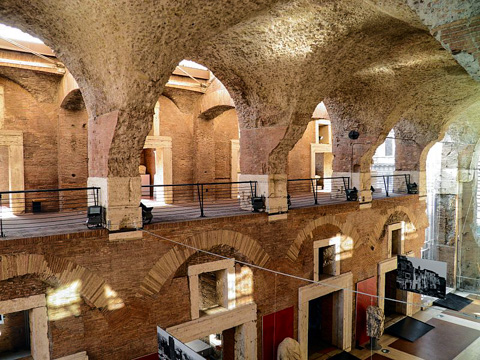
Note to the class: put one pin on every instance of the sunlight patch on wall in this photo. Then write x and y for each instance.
(113, 301)
(346, 246)
(64, 301)
(244, 285)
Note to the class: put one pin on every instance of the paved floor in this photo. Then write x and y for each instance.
(454, 338)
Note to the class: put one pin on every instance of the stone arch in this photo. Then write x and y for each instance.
(167, 265)
(58, 272)
(417, 222)
(346, 228)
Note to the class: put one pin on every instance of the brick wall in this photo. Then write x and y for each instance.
(38, 123)
(456, 24)
(299, 156)
(179, 126)
(130, 332)
(226, 129)
(72, 148)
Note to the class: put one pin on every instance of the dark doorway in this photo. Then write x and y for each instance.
(396, 242)
(320, 325)
(228, 350)
(15, 336)
(393, 309)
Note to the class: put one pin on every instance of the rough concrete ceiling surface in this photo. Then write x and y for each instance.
(373, 62)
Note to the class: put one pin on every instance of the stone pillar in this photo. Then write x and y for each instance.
(256, 146)
(39, 333)
(14, 141)
(164, 174)
(467, 259)
(246, 341)
(273, 188)
(119, 195)
(352, 159)
(235, 165)
(16, 177)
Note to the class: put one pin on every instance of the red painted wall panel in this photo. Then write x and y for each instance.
(368, 286)
(275, 328)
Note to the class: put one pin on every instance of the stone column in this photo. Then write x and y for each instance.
(246, 341)
(352, 159)
(164, 174)
(13, 139)
(467, 254)
(119, 193)
(16, 177)
(163, 166)
(39, 333)
(256, 145)
(235, 163)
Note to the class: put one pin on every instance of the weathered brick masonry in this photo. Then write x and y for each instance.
(126, 267)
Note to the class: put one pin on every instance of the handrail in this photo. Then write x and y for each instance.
(386, 181)
(66, 207)
(47, 190)
(321, 178)
(195, 184)
(312, 185)
(172, 201)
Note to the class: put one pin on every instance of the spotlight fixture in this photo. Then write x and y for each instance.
(352, 194)
(412, 188)
(353, 134)
(258, 203)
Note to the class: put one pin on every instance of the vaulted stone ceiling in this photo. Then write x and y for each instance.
(373, 62)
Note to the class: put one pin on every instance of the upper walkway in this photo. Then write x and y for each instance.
(34, 213)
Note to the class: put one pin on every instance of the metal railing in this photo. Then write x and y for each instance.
(25, 212)
(188, 201)
(385, 185)
(315, 191)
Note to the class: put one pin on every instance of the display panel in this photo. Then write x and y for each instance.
(422, 276)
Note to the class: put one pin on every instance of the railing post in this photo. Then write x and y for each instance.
(346, 184)
(314, 189)
(2, 234)
(200, 198)
(386, 183)
(252, 189)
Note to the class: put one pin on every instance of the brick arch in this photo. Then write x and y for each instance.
(346, 228)
(57, 272)
(412, 217)
(168, 264)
